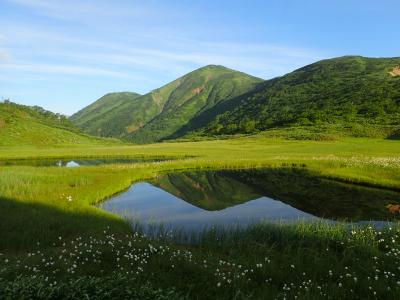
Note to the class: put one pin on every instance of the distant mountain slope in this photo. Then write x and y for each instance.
(24, 125)
(196, 92)
(93, 116)
(162, 112)
(344, 90)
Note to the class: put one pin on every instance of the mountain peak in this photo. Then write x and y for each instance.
(160, 113)
(212, 67)
(121, 93)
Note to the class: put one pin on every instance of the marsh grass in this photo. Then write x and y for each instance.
(40, 204)
(74, 191)
(266, 260)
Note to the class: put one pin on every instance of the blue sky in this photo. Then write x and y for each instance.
(63, 55)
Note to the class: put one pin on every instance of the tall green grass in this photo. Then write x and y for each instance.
(362, 161)
(41, 204)
(264, 261)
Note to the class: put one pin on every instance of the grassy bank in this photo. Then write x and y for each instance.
(263, 262)
(41, 204)
(72, 191)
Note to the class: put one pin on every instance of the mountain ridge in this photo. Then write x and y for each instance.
(156, 115)
(344, 90)
(97, 110)
(348, 91)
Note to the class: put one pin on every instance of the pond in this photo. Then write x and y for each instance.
(197, 200)
(75, 162)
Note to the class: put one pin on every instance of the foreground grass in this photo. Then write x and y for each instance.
(266, 261)
(39, 205)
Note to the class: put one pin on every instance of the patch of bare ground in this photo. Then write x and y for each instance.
(133, 127)
(395, 72)
(198, 90)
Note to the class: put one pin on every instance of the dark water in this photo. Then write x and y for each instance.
(196, 200)
(70, 163)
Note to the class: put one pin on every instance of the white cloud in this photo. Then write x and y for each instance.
(97, 46)
(84, 10)
(152, 51)
(5, 55)
(62, 69)
(261, 59)
(160, 56)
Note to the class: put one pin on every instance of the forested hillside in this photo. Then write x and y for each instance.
(342, 91)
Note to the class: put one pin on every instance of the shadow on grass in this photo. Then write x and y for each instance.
(23, 225)
(395, 135)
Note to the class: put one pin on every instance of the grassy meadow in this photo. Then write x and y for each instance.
(61, 243)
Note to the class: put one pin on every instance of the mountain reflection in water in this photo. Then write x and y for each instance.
(199, 199)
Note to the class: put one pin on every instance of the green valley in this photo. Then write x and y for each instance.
(313, 155)
(199, 150)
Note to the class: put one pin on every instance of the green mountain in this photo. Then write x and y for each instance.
(161, 113)
(94, 116)
(345, 91)
(25, 125)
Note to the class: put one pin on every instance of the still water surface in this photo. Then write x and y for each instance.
(197, 200)
(70, 163)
